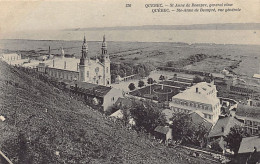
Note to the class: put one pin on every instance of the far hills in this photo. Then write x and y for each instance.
(220, 26)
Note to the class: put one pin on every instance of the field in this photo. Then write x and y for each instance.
(157, 53)
(46, 125)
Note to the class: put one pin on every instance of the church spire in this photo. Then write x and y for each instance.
(84, 52)
(104, 46)
(84, 40)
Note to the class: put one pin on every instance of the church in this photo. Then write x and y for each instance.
(84, 70)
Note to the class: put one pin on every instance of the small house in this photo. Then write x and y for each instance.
(163, 133)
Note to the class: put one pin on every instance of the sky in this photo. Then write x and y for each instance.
(48, 15)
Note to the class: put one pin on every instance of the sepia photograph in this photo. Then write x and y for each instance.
(130, 81)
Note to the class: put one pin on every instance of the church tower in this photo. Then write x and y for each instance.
(84, 61)
(106, 62)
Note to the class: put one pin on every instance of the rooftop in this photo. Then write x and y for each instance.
(69, 64)
(222, 127)
(93, 89)
(201, 96)
(162, 129)
(124, 102)
(196, 118)
(247, 144)
(248, 111)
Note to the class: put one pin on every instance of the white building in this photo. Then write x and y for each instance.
(84, 70)
(201, 97)
(13, 58)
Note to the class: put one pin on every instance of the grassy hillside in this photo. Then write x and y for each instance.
(45, 125)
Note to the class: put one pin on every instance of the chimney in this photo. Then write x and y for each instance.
(197, 89)
(64, 64)
(53, 63)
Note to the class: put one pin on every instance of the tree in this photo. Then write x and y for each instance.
(140, 83)
(208, 79)
(185, 131)
(131, 86)
(234, 138)
(161, 78)
(175, 76)
(150, 80)
(197, 79)
(147, 116)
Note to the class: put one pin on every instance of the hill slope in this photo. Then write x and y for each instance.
(45, 125)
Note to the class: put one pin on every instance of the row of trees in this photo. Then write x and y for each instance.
(131, 86)
(190, 60)
(207, 79)
(125, 69)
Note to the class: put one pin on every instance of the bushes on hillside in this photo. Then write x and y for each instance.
(185, 131)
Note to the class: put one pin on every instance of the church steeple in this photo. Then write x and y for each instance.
(104, 46)
(84, 52)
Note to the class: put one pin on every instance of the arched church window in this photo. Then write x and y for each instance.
(107, 69)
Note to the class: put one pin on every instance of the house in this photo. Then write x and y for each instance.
(222, 127)
(250, 116)
(201, 97)
(196, 117)
(163, 132)
(97, 96)
(13, 58)
(249, 150)
(124, 104)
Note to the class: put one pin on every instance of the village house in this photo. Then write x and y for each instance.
(13, 58)
(196, 118)
(222, 127)
(249, 150)
(121, 105)
(97, 96)
(164, 133)
(250, 116)
(201, 97)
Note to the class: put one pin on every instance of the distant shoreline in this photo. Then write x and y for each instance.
(183, 43)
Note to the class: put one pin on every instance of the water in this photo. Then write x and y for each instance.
(186, 36)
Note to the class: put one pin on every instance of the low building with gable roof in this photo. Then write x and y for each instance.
(250, 116)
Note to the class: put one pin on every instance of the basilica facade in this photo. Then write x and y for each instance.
(83, 69)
